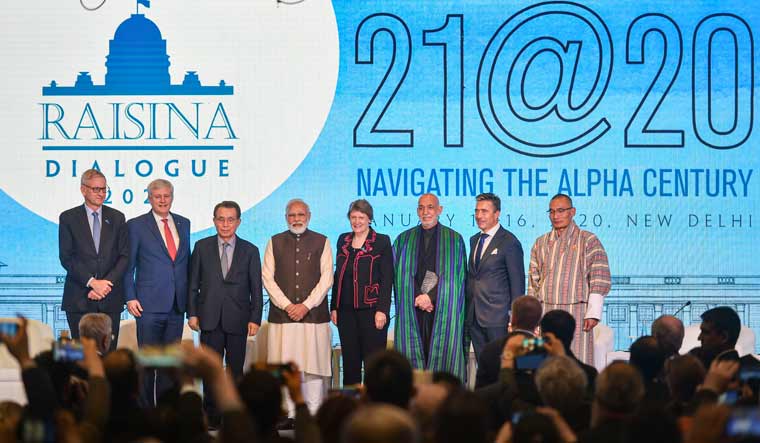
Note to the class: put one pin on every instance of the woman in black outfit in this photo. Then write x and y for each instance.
(361, 294)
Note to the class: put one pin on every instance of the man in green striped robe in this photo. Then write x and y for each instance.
(431, 266)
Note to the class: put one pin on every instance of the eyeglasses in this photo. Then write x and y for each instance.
(559, 211)
(98, 190)
(229, 220)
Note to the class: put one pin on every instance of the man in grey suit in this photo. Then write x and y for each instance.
(225, 298)
(93, 245)
(496, 275)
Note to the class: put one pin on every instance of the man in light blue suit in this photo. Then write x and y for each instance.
(156, 279)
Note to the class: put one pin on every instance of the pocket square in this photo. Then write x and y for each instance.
(495, 251)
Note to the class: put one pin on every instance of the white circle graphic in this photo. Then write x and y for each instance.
(223, 98)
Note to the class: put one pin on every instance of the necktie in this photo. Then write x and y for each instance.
(96, 231)
(170, 246)
(479, 250)
(225, 260)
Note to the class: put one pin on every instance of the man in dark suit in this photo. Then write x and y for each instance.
(156, 279)
(225, 298)
(496, 274)
(93, 245)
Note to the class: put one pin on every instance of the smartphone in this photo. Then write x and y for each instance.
(9, 328)
(530, 361)
(346, 391)
(750, 373)
(158, 357)
(66, 351)
(277, 369)
(729, 398)
(744, 423)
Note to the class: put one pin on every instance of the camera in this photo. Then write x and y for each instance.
(534, 354)
(158, 357)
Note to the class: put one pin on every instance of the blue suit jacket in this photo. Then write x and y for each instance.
(152, 277)
(497, 282)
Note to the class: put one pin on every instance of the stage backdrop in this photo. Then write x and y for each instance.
(642, 111)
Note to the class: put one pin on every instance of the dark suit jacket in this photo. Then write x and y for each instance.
(498, 280)
(77, 253)
(152, 277)
(235, 300)
(373, 273)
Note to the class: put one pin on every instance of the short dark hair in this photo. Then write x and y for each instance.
(647, 356)
(725, 320)
(228, 204)
(561, 324)
(462, 416)
(261, 393)
(490, 197)
(388, 378)
(526, 312)
(556, 196)
(362, 206)
(619, 388)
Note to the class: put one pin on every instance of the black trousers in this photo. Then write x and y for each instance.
(358, 340)
(232, 348)
(73, 319)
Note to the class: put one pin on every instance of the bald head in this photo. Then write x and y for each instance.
(428, 210)
(669, 332)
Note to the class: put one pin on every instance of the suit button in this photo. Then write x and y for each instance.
(297, 262)
(298, 250)
(296, 274)
(296, 286)
(298, 299)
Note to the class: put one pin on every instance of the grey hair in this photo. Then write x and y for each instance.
(160, 183)
(96, 326)
(561, 383)
(295, 201)
(89, 175)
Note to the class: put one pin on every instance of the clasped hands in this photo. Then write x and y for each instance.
(423, 302)
(99, 289)
(296, 312)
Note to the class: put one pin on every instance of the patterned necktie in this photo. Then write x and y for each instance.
(169, 239)
(96, 231)
(479, 250)
(225, 260)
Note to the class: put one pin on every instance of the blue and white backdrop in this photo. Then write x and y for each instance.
(643, 111)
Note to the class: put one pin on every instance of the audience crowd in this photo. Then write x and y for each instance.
(530, 388)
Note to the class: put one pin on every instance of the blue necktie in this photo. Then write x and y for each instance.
(96, 231)
(479, 250)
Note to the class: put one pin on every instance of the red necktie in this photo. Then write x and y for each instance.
(169, 240)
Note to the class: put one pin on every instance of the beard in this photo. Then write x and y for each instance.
(298, 230)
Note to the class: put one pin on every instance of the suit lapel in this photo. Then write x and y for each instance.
(473, 248)
(153, 228)
(179, 224)
(492, 245)
(106, 229)
(85, 229)
(234, 259)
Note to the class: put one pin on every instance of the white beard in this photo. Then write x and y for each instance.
(298, 231)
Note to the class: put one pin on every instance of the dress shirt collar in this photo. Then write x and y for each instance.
(491, 232)
(159, 218)
(231, 242)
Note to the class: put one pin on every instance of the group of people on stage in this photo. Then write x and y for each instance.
(443, 297)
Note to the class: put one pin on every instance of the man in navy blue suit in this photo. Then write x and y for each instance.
(496, 274)
(156, 279)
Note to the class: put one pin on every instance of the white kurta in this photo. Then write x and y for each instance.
(309, 345)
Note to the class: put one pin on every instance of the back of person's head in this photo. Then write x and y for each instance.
(10, 417)
(647, 356)
(388, 378)
(447, 379)
(461, 417)
(652, 425)
(561, 384)
(561, 324)
(726, 321)
(97, 326)
(380, 423)
(669, 332)
(526, 313)
(533, 427)
(333, 414)
(684, 375)
(619, 388)
(123, 375)
(261, 393)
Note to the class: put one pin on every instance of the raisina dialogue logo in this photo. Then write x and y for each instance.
(212, 130)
